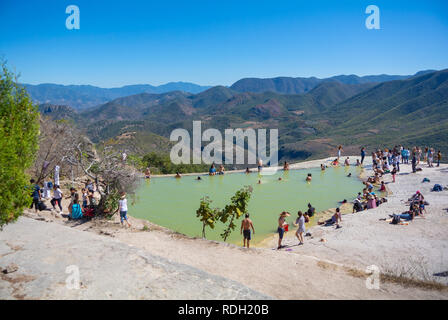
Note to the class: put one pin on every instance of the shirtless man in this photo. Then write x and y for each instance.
(246, 224)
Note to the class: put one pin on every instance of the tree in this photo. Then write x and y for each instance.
(55, 145)
(237, 207)
(234, 210)
(207, 215)
(19, 130)
(106, 168)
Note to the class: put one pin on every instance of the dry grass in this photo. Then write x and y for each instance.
(326, 265)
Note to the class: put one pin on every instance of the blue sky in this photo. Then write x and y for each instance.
(213, 42)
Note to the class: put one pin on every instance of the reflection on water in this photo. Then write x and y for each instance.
(172, 203)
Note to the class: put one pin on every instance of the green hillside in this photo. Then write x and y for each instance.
(311, 125)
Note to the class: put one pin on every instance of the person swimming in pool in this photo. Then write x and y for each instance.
(177, 176)
(309, 177)
(347, 162)
(286, 166)
(323, 167)
(199, 178)
(247, 170)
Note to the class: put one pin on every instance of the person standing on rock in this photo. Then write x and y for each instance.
(36, 194)
(246, 225)
(363, 155)
(123, 208)
(281, 227)
(300, 223)
(339, 152)
(439, 158)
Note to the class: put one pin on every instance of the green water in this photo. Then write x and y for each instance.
(172, 203)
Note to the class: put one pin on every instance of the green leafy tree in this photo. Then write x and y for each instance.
(210, 216)
(19, 130)
(234, 210)
(207, 215)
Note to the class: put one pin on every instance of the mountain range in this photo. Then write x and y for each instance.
(302, 85)
(406, 111)
(86, 96)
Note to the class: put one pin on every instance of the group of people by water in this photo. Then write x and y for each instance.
(384, 161)
(83, 204)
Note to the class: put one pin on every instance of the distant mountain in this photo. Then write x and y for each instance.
(291, 85)
(85, 96)
(407, 112)
(410, 111)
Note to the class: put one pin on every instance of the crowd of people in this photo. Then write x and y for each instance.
(387, 161)
(82, 204)
(384, 161)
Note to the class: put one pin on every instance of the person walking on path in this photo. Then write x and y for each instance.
(300, 223)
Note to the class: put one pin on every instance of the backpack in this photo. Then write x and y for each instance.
(395, 219)
(41, 206)
(50, 185)
(437, 187)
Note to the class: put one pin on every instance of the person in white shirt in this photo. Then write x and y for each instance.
(57, 198)
(123, 208)
(300, 222)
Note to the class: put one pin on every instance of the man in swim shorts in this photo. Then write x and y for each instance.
(281, 227)
(246, 224)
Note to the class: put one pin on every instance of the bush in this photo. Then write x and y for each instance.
(19, 130)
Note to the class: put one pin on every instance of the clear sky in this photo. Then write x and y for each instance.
(213, 42)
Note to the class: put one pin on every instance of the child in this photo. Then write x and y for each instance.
(300, 223)
(394, 172)
(123, 208)
(383, 187)
(421, 208)
(84, 197)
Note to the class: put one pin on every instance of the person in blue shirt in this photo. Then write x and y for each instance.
(75, 210)
(363, 154)
(35, 194)
(212, 170)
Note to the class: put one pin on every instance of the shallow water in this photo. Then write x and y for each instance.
(172, 203)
